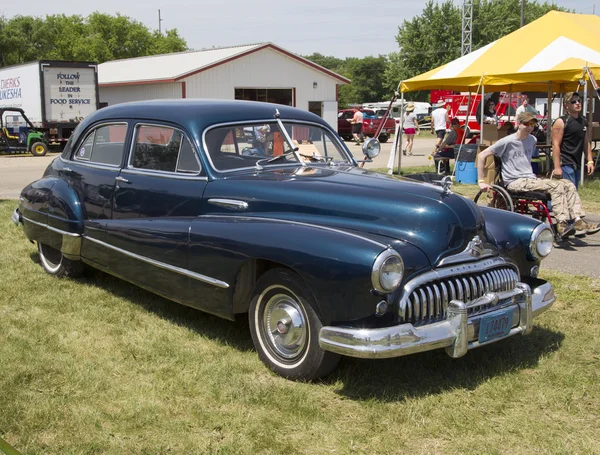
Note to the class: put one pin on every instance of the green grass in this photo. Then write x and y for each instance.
(98, 366)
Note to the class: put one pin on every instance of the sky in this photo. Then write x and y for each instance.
(352, 28)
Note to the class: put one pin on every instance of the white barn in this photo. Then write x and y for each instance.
(259, 72)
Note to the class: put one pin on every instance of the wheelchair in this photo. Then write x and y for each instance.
(536, 204)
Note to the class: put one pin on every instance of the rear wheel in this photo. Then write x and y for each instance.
(496, 197)
(39, 149)
(285, 328)
(383, 138)
(56, 264)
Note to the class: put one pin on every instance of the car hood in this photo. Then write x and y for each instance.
(438, 223)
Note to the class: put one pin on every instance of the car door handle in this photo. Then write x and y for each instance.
(67, 169)
(121, 179)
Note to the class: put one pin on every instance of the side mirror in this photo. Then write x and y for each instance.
(371, 148)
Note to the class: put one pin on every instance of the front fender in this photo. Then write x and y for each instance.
(512, 232)
(335, 264)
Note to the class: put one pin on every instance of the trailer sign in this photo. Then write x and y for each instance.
(70, 95)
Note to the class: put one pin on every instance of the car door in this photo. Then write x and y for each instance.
(157, 195)
(91, 169)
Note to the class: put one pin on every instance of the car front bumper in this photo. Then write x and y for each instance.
(457, 333)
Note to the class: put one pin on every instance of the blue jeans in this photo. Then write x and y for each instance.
(572, 174)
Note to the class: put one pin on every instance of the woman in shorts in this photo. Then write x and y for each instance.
(411, 127)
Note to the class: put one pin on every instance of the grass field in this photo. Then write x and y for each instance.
(98, 366)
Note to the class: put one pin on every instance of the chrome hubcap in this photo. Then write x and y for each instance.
(284, 323)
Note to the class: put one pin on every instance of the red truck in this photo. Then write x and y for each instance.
(371, 120)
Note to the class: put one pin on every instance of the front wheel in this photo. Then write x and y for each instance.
(56, 264)
(383, 138)
(285, 328)
(39, 149)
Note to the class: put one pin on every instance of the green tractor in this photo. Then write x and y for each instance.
(21, 139)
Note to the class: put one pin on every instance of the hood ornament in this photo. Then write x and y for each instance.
(475, 247)
(445, 183)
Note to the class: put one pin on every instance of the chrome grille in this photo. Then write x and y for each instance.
(428, 302)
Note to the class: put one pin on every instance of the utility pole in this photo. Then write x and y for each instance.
(522, 13)
(467, 27)
(159, 21)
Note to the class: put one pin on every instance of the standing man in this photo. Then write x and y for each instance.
(439, 118)
(357, 124)
(570, 140)
(515, 152)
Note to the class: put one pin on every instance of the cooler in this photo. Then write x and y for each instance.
(466, 172)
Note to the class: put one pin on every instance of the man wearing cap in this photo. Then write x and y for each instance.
(439, 119)
(515, 152)
(569, 140)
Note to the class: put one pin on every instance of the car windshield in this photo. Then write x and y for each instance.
(241, 146)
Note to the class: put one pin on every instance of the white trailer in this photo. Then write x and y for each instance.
(55, 95)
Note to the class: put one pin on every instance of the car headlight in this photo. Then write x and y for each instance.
(388, 270)
(540, 244)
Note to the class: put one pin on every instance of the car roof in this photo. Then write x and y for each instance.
(197, 114)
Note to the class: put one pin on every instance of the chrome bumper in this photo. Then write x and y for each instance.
(457, 334)
(16, 217)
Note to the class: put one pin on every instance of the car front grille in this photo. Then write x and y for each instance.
(427, 302)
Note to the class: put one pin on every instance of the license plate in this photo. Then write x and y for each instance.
(495, 326)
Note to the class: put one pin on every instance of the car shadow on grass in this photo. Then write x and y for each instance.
(231, 333)
(435, 372)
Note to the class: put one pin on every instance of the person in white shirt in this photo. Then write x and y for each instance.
(439, 119)
(524, 107)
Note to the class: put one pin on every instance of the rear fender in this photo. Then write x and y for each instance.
(53, 214)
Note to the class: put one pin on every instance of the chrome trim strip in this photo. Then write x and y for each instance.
(299, 223)
(163, 174)
(457, 333)
(162, 265)
(229, 203)
(59, 231)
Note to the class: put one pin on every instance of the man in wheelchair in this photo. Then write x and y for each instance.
(515, 152)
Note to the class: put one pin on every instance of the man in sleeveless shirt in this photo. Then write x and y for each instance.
(570, 140)
(515, 152)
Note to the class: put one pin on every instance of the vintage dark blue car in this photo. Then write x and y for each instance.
(237, 207)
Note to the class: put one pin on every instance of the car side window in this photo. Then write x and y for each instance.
(164, 149)
(103, 145)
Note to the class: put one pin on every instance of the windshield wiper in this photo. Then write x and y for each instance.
(275, 158)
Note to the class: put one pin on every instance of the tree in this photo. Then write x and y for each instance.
(97, 37)
(366, 74)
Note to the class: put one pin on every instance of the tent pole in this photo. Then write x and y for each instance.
(549, 114)
(481, 109)
(400, 130)
(509, 102)
(585, 113)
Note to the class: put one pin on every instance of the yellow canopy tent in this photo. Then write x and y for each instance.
(548, 55)
(552, 49)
